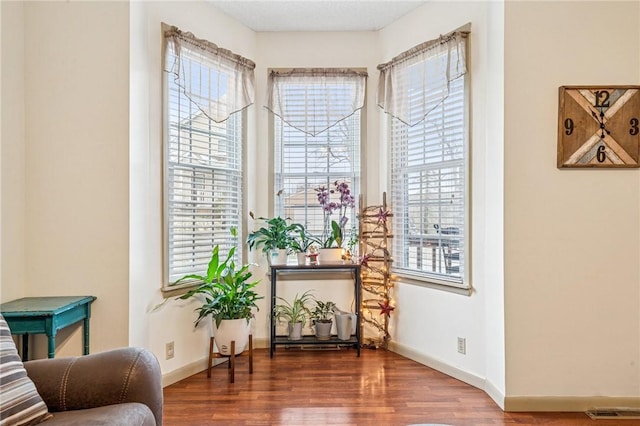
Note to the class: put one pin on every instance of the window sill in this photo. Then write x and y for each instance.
(436, 285)
(178, 290)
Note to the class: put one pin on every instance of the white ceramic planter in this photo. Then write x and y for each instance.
(302, 258)
(295, 331)
(278, 257)
(237, 330)
(330, 255)
(345, 324)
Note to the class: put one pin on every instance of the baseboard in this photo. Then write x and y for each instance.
(494, 393)
(187, 371)
(201, 365)
(261, 343)
(568, 403)
(456, 373)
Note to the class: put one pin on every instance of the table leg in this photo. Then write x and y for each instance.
(52, 345)
(25, 347)
(86, 337)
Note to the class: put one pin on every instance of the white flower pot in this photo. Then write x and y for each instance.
(278, 257)
(237, 330)
(330, 255)
(295, 331)
(302, 258)
(345, 324)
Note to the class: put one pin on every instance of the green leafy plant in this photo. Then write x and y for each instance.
(296, 311)
(323, 311)
(302, 240)
(276, 234)
(227, 291)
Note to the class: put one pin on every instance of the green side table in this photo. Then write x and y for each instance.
(47, 315)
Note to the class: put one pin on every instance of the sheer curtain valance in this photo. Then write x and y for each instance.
(324, 97)
(217, 80)
(415, 82)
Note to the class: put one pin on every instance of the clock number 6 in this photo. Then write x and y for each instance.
(634, 127)
(601, 155)
(602, 98)
(568, 126)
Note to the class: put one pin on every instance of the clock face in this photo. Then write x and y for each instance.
(598, 126)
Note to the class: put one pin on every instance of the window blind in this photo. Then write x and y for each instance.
(429, 174)
(203, 169)
(304, 162)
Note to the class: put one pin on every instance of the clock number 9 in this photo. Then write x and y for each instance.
(601, 155)
(602, 98)
(568, 126)
(634, 127)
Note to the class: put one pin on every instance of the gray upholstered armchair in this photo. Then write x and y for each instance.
(117, 387)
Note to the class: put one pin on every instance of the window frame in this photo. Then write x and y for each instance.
(361, 176)
(175, 290)
(424, 279)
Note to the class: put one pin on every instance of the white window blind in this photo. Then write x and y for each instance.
(203, 168)
(304, 162)
(429, 172)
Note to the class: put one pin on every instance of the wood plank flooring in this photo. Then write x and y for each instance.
(331, 387)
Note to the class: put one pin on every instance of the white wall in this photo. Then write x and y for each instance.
(427, 322)
(12, 167)
(65, 196)
(571, 236)
(174, 320)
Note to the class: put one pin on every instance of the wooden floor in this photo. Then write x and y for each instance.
(323, 387)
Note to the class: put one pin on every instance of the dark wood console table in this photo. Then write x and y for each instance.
(314, 269)
(47, 315)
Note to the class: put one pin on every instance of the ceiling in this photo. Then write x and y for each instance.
(316, 15)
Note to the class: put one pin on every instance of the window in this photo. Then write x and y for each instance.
(317, 137)
(429, 164)
(203, 158)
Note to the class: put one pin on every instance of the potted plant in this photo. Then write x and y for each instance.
(321, 317)
(274, 238)
(334, 230)
(229, 298)
(295, 313)
(300, 243)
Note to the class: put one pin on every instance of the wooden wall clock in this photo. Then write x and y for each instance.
(599, 126)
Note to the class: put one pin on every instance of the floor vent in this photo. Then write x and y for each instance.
(614, 413)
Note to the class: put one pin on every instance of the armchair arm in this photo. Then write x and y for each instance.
(111, 377)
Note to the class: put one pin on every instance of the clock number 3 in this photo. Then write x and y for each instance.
(568, 126)
(602, 98)
(634, 126)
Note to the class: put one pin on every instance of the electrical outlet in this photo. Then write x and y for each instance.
(462, 345)
(169, 350)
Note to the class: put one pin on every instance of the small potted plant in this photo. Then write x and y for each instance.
(321, 317)
(295, 313)
(300, 243)
(229, 297)
(274, 238)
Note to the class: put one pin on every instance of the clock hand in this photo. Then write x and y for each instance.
(600, 120)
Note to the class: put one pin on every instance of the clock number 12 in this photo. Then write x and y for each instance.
(602, 98)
